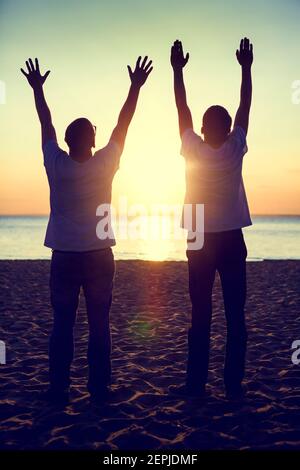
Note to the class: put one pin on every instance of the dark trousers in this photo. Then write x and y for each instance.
(226, 253)
(94, 272)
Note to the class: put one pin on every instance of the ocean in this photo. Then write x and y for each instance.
(270, 237)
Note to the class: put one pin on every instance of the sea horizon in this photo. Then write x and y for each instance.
(252, 215)
(270, 237)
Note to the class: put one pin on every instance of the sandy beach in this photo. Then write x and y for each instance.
(149, 318)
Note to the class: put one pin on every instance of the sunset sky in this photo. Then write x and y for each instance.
(87, 46)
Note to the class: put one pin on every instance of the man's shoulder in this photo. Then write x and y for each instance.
(111, 147)
(52, 152)
(237, 142)
(190, 143)
(51, 147)
(237, 132)
(189, 133)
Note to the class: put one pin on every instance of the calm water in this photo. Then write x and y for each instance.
(270, 237)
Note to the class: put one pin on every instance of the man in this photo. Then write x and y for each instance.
(79, 183)
(214, 179)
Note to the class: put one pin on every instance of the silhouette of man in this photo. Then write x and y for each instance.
(80, 181)
(214, 178)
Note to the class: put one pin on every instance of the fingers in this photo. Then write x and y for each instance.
(245, 45)
(46, 75)
(244, 54)
(137, 65)
(178, 45)
(147, 66)
(28, 66)
(31, 68)
(24, 73)
(37, 65)
(174, 50)
(144, 62)
(144, 65)
(149, 71)
(129, 71)
(178, 49)
(31, 65)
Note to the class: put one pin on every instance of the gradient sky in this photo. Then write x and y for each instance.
(87, 46)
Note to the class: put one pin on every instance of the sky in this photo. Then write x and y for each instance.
(87, 46)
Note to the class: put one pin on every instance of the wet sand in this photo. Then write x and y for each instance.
(150, 318)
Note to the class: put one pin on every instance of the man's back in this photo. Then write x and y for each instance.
(76, 191)
(214, 179)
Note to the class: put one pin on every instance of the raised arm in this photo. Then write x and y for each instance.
(178, 62)
(138, 77)
(36, 80)
(245, 58)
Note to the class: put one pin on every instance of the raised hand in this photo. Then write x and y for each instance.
(178, 61)
(34, 76)
(244, 55)
(141, 72)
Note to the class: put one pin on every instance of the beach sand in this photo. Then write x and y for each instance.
(150, 318)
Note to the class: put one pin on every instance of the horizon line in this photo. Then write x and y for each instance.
(252, 215)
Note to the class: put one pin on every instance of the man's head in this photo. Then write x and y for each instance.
(80, 134)
(216, 124)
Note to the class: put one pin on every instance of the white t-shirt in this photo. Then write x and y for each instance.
(76, 190)
(214, 178)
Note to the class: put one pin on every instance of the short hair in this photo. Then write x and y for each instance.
(216, 120)
(80, 132)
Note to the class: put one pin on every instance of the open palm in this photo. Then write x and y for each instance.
(178, 60)
(244, 54)
(34, 76)
(141, 72)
